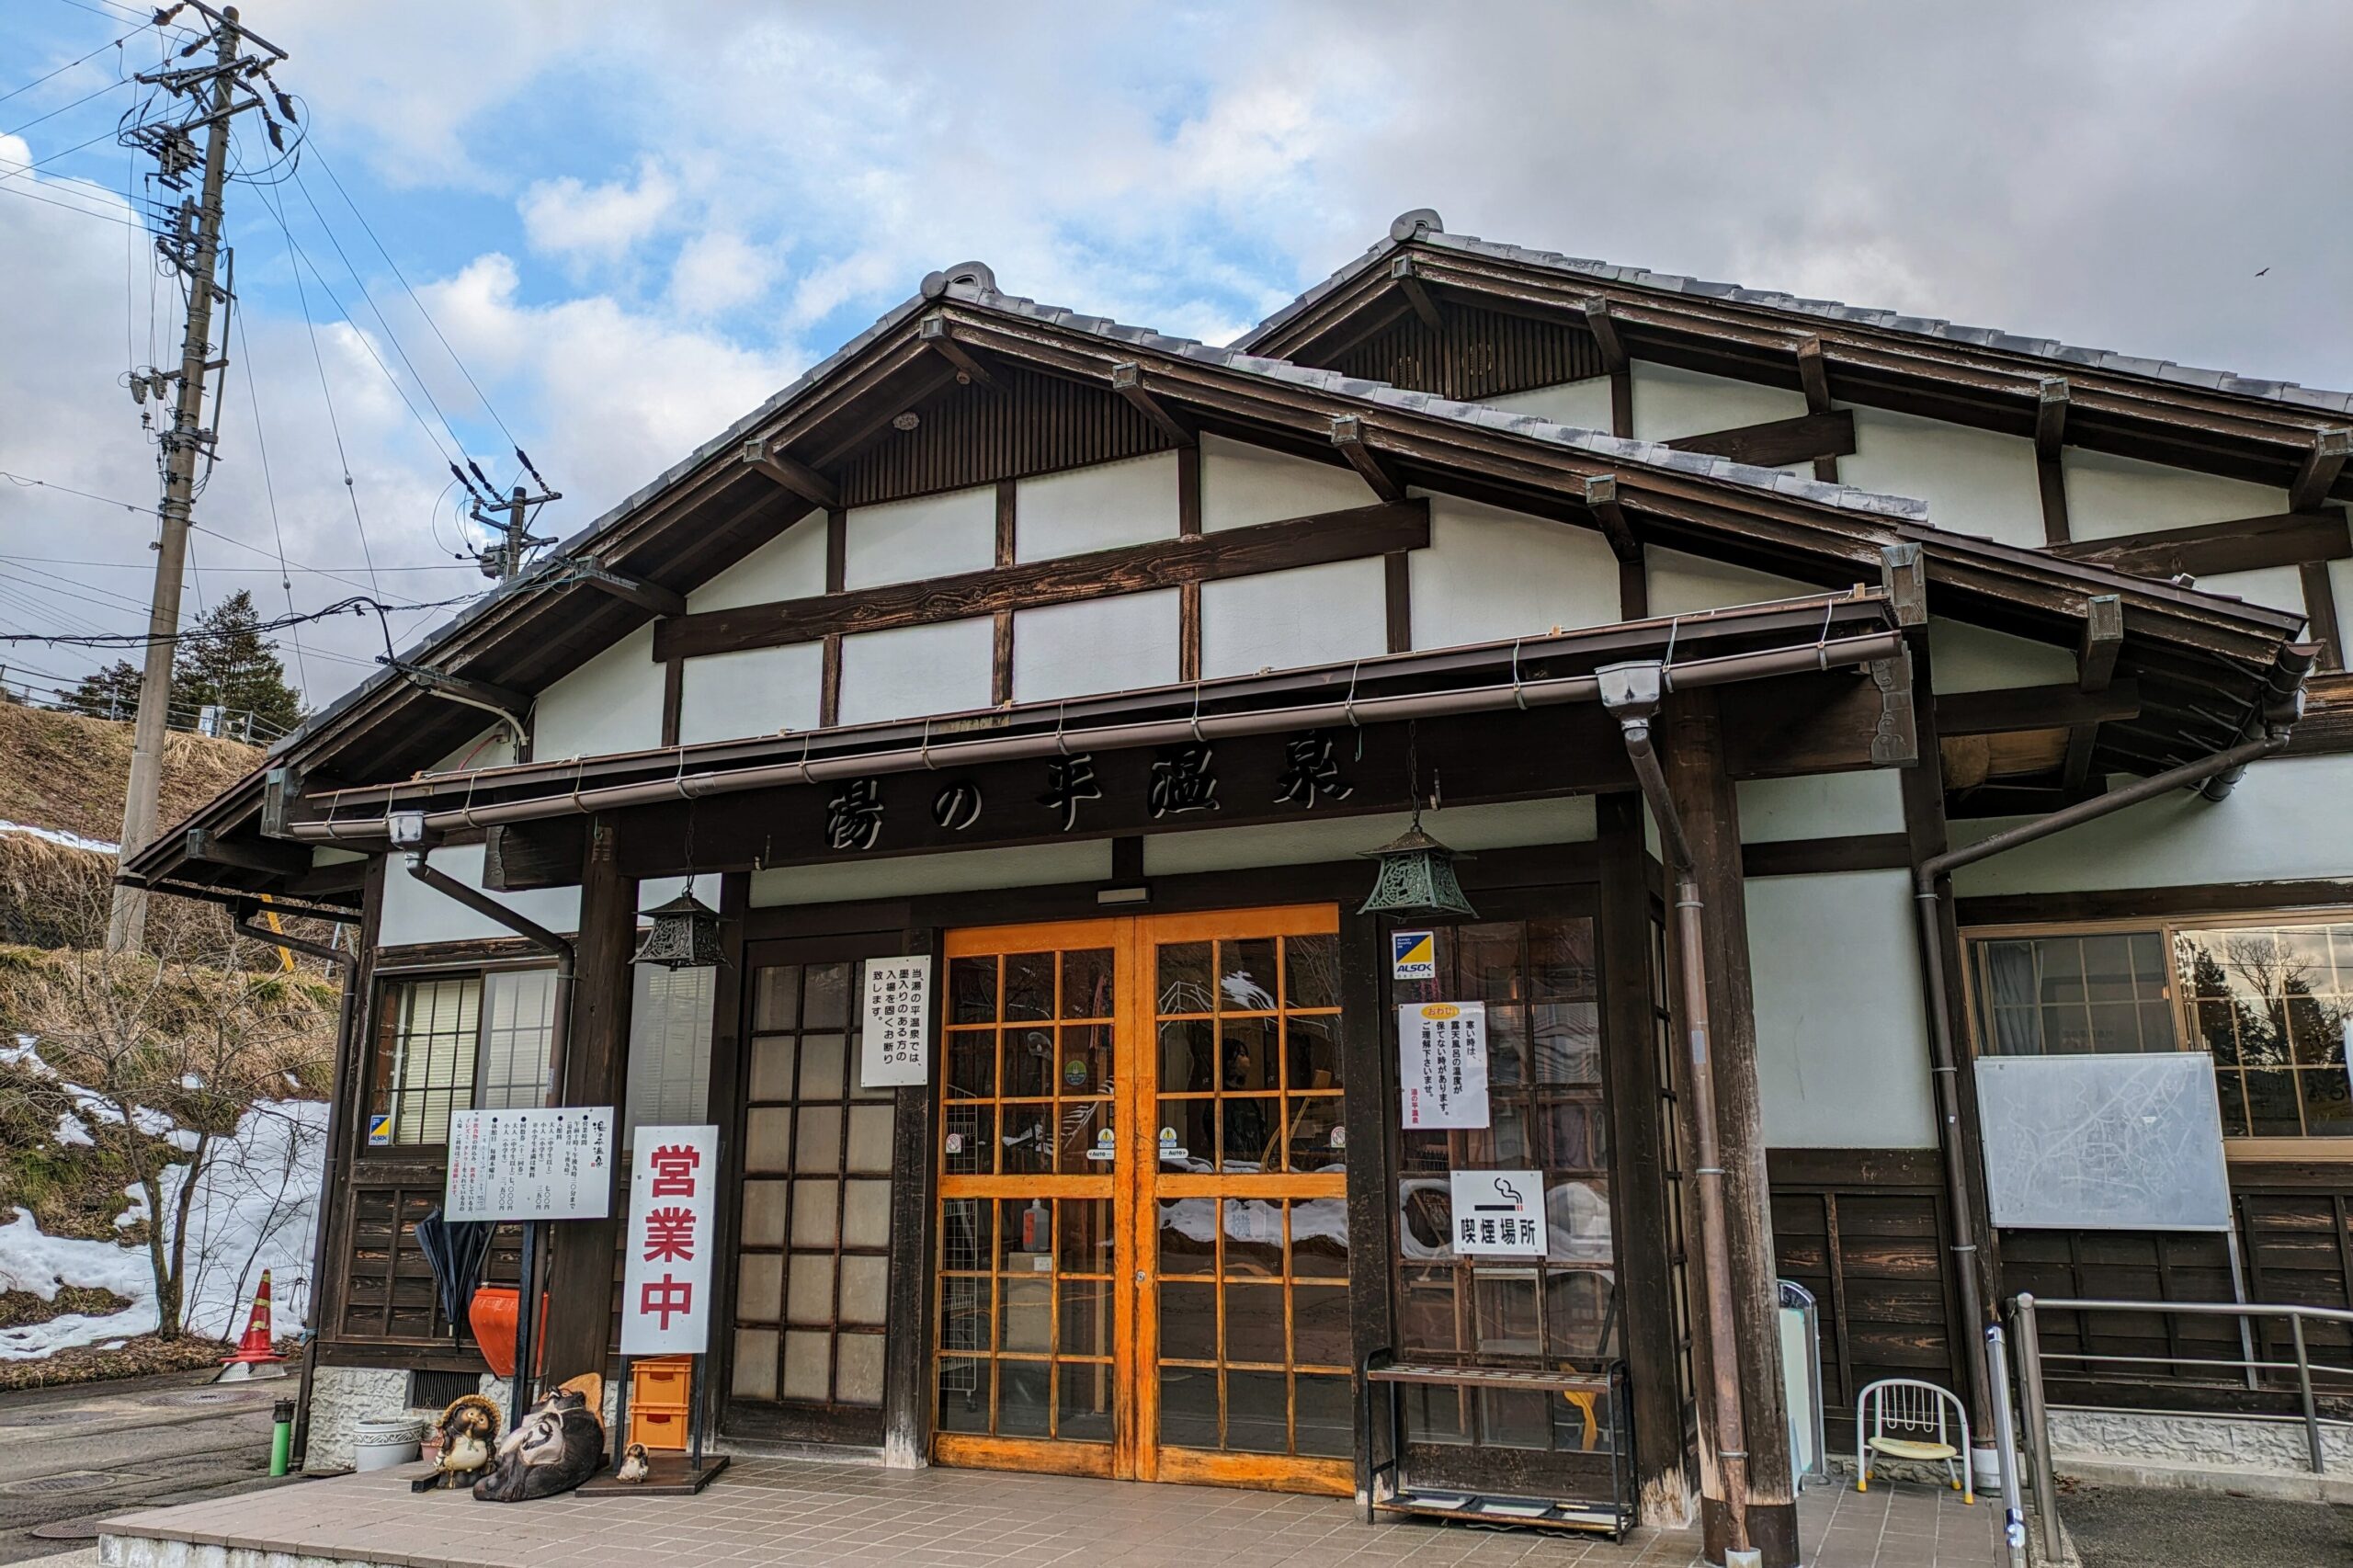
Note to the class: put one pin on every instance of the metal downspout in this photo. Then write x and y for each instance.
(1631, 694)
(346, 1013)
(1945, 1066)
(559, 1044)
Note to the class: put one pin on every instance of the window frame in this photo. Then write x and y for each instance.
(2235, 1147)
(379, 1039)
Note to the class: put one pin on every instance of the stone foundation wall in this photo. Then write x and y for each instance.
(342, 1397)
(2194, 1442)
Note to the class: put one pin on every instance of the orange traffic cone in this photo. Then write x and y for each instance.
(255, 1357)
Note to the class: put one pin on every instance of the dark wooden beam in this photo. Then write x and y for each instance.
(1778, 442)
(1401, 272)
(1347, 434)
(2320, 614)
(1128, 381)
(652, 598)
(1351, 535)
(2051, 405)
(1189, 595)
(2103, 638)
(2317, 475)
(791, 472)
(1397, 595)
(1814, 377)
(518, 857)
(1815, 857)
(2050, 417)
(1001, 642)
(2244, 544)
(1597, 321)
(2035, 708)
(595, 1072)
(674, 698)
(932, 333)
(1601, 500)
(274, 856)
(478, 693)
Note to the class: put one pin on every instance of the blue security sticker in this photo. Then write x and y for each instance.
(1412, 955)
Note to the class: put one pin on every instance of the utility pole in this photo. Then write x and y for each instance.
(504, 559)
(191, 242)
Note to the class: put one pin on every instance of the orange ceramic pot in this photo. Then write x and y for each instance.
(492, 1314)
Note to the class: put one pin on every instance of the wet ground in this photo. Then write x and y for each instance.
(82, 1452)
(2117, 1527)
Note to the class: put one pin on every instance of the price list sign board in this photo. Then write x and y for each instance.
(666, 1273)
(895, 1048)
(1442, 1063)
(531, 1165)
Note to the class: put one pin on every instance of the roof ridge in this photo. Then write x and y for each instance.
(1428, 229)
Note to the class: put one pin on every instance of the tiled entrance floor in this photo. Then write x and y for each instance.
(793, 1514)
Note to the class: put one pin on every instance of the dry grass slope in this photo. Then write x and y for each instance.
(66, 772)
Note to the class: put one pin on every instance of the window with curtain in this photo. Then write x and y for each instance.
(2268, 1000)
(447, 1043)
(669, 1049)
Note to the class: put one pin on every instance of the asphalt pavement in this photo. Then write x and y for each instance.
(2119, 1527)
(72, 1456)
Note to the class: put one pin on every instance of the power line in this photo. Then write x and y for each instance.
(77, 103)
(117, 43)
(261, 442)
(353, 606)
(66, 206)
(251, 571)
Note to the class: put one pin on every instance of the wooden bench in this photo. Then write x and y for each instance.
(1600, 1399)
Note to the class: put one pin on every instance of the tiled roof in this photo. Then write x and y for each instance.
(1425, 227)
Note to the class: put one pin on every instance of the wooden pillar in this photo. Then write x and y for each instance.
(723, 1108)
(596, 1066)
(1365, 1055)
(906, 1373)
(1646, 1312)
(1705, 799)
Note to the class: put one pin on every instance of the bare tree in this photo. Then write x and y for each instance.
(172, 1057)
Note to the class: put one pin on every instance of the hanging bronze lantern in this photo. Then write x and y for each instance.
(1417, 877)
(684, 934)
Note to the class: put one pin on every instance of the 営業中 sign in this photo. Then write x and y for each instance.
(531, 1165)
(1442, 1063)
(898, 1011)
(666, 1267)
(1499, 1212)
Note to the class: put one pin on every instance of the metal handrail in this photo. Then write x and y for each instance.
(2025, 1308)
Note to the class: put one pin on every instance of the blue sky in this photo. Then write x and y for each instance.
(634, 222)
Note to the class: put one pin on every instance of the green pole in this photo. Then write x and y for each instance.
(281, 1435)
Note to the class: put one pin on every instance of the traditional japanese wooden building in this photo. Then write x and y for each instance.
(1094, 664)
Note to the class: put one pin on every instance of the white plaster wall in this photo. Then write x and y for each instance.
(1683, 585)
(1490, 574)
(612, 703)
(1582, 404)
(790, 566)
(1842, 1049)
(1241, 485)
(906, 876)
(1310, 615)
(414, 913)
(1822, 805)
(495, 747)
(2340, 583)
(1096, 508)
(2108, 495)
(912, 670)
(1110, 644)
(1962, 657)
(1567, 819)
(2274, 588)
(755, 692)
(1976, 481)
(2290, 818)
(1670, 403)
(930, 536)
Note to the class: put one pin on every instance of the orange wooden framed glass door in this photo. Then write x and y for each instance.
(1142, 1224)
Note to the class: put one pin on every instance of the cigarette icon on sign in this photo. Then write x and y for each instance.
(1507, 1190)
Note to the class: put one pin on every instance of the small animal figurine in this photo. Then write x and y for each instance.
(469, 1434)
(636, 1464)
(559, 1445)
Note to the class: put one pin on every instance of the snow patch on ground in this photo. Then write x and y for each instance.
(254, 1207)
(72, 1132)
(57, 835)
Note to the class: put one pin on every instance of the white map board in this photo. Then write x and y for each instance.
(2121, 1142)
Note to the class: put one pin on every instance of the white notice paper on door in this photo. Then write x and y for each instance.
(1442, 1063)
(898, 1022)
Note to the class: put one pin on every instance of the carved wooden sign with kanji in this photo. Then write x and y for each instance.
(665, 1270)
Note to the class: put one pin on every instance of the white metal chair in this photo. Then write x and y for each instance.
(1904, 1419)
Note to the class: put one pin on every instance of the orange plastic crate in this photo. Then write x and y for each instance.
(659, 1429)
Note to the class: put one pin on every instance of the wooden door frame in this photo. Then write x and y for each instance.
(1135, 1188)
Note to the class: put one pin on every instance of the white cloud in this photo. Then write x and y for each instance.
(566, 217)
(719, 270)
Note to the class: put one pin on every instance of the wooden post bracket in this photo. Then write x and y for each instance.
(1409, 283)
(1347, 434)
(1127, 380)
(932, 333)
(791, 472)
